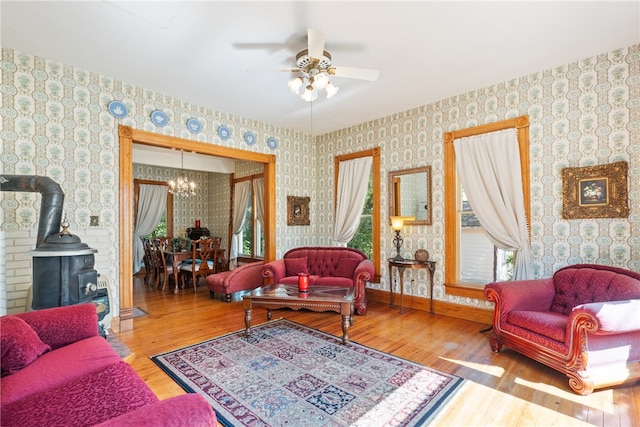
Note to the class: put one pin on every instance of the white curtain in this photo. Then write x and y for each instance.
(152, 202)
(241, 195)
(353, 180)
(258, 191)
(489, 168)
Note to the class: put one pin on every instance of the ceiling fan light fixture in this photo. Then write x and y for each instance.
(321, 80)
(295, 85)
(331, 90)
(313, 65)
(310, 93)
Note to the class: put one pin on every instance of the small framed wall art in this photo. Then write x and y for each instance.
(297, 210)
(598, 191)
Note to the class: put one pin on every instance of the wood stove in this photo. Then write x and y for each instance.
(63, 266)
(63, 271)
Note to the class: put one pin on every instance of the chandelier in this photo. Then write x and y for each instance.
(182, 186)
(314, 76)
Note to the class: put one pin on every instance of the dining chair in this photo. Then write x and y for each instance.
(219, 261)
(148, 261)
(163, 269)
(202, 256)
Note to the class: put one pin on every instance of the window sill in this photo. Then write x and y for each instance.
(467, 291)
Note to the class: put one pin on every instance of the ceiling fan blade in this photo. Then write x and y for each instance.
(286, 70)
(354, 73)
(316, 43)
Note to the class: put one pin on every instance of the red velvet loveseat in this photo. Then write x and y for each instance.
(57, 371)
(326, 266)
(584, 322)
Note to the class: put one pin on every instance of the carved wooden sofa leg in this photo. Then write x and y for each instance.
(495, 344)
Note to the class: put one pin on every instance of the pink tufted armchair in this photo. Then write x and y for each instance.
(584, 322)
(326, 266)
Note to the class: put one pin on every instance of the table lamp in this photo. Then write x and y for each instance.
(397, 222)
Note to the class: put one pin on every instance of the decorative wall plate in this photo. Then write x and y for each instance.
(117, 109)
(249, 138)
(194, 125)
(272, 143)
(421, 255)
(224, 132)
(159, 118)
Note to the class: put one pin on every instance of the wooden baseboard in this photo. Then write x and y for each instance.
(439, 307)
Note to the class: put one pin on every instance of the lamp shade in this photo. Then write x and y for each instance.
(397, 222)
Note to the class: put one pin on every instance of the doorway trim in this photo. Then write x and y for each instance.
(127, 137)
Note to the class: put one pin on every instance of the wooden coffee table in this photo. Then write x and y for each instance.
(319, 298)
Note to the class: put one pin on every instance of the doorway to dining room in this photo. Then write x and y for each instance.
(129, 136)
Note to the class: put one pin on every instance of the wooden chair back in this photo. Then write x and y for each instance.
(148, 261)
(158, 248)
(202, 255)
(219, 261)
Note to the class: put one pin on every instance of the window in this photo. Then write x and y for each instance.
(161, 228)
(165, 226)
(250, 241)
(464, 276)
(368, 233)
(480, 261)
(363, 239)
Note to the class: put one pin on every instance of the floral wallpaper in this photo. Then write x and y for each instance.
(583, 113)
(56, 123)
(208, 205)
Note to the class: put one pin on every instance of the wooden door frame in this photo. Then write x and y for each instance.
(127, 137)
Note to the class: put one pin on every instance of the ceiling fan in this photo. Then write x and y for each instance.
(314, 68)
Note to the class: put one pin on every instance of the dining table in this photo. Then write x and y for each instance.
(177, 257)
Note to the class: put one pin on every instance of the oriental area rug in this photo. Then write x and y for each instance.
(286, 374)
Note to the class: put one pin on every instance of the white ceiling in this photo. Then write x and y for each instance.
(426, 51)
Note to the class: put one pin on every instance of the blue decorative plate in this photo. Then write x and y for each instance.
(117, 109)
(272, 143)
(159, 118)
(224, 132)
(249, 138)
(194, 125)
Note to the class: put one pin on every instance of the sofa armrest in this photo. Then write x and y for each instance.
(250, 275)
(364, 271)
(60, 326)
(525, 295)
(610, 317)
(274, 271)
(185, 410)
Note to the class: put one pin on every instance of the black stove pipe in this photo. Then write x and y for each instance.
(52, 200)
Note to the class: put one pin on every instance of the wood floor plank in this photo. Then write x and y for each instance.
(503, 389)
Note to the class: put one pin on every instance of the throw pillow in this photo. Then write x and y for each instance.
(19, 344)
(295, 266)
(346, 267)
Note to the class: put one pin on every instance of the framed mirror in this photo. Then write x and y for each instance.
(410, 194)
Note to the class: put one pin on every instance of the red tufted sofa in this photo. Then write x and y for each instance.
(584, 322)
(57, 371)
(326, 266)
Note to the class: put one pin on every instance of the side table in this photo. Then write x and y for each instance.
(402, 265)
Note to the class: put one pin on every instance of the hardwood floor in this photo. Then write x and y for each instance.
(504, 389)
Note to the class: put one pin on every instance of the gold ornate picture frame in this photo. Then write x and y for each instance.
(595, 191)
(297, 210)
